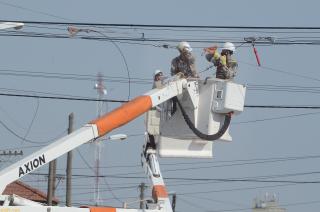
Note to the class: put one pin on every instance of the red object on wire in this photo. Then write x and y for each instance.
(256, 54)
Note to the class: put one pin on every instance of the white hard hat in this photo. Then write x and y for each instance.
(229, 46)
(184, 45)
(156, 72)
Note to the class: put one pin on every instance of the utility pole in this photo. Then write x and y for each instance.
(54, 177)
(51, 181)
(50, 184)
(69, 165)
(142, 187)
(174, 202)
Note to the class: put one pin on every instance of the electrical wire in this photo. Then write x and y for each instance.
(166, 26)
(282, 71)
(10, 90)
(12, 119)
(21, 137)
(32, 120)
(71, 76)
(169, 40)
(254, 179)
(63, 98)
(215, 200)
(32, 10)
(281, 205)
(123, 101)
(232, 164)
(237, 189)
(123, 57)
(225, 163)
(274, 118)
(283, 106)
(286, 88)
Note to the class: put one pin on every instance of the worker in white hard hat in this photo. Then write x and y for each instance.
(153, 115)
(185, 62)
(157, 79)
(226, 65)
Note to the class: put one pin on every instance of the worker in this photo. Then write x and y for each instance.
(226, 65)
(157, 79)
(153, 115)
(185, 62)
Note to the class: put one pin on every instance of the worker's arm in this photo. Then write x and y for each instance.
(193, 67)
(213, 57)
(173, 69)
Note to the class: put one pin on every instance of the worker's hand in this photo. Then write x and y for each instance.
(180, 75)
(210, 50)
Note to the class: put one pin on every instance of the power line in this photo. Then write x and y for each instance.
(155, 39)
(284, 88)
(251, 87)
(170, 40)
(229, 180)
(21, 137)
(63, 98)
(281, 205)
(32, 120)
(123, 101)
(283, 72)
(72, 76)
(236, 162)
(275, 118)
(282, 106)
(214, 200)
(32, 10)
(237, 189)
(136, 80)
(166, 26)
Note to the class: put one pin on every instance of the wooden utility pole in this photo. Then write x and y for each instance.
(174, 202)
(51, 181)
(53, 169)
(142, 188)
(54, 177)
(50, 184)
(69, 164)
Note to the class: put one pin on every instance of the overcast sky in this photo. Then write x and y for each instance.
(284, 140)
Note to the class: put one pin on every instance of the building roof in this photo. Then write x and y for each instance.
(23, 190)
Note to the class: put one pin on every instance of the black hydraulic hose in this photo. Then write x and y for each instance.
(201, 135)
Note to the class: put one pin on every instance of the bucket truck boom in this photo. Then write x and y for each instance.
(191, 114)
(95, 129)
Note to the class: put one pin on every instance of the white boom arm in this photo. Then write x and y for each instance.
(97, 128)
(152, 168)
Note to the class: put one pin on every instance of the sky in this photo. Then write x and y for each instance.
(269, 144)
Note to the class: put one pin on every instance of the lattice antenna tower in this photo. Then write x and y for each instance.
(101, 91)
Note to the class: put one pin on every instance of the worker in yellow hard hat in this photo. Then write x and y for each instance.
(225, 63)
(185, 62)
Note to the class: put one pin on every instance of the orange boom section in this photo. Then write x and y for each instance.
(159, 191)
(122, 115)
(101, 209)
